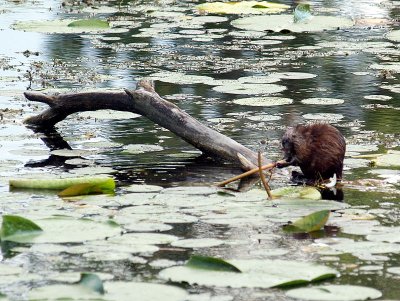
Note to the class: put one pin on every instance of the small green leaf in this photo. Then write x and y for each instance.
(210, 263)
(310, 223)
(90, 23)
(106, 187)
(92, 281)
(15, 226)
(302, 13)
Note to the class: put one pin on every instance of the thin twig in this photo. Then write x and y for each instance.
(247, 173)
(262, 176)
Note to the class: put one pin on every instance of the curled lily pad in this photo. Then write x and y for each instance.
(242, 7)
(14, 227)
(107, 187)
(312, 222)
(210, 263)
(56, 184)
(279, 23)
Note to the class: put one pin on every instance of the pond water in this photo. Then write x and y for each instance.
(347, 76)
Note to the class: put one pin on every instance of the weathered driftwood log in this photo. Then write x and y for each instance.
(146, 102)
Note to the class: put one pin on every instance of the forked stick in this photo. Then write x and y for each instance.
(247, 173)
(262, 176)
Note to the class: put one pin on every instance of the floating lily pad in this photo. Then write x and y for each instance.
(322, 101)
(292, 75)
(394, 35)
(264, 118)
(324, 116)
(263, 101)
(180, 78)
(115, 291)
(255, 273)
(279, 23)
(63, 230)
(197, 243)
(257, 79)
(378, 97)
(335, 292)
(242, 7)
(90, 23)
(392, 158)
(238, 88)
(59, 26)
(141, 148)
(108, 115)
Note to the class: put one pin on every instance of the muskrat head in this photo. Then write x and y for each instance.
(287, 144)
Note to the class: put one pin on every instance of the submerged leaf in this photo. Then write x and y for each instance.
(302, 13)
(14, 226)
(92, 281)
(90, 23)
(210, 263)
(106, 187)
(310, 223)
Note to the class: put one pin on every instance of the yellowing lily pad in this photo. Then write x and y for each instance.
(243, 7)
(392, 158)
(278, 23)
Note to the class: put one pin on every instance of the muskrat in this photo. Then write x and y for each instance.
(318, 149)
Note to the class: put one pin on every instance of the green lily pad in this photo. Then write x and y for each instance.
(335, 292)
(279, 23)
(89, 23)
(210, 263)
(13, 227)
(255, 273)
(242, 7)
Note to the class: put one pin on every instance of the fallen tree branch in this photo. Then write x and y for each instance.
(146, 102)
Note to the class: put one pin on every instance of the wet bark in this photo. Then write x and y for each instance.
(146, 102)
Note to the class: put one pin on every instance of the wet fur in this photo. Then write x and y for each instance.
(318, 149)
